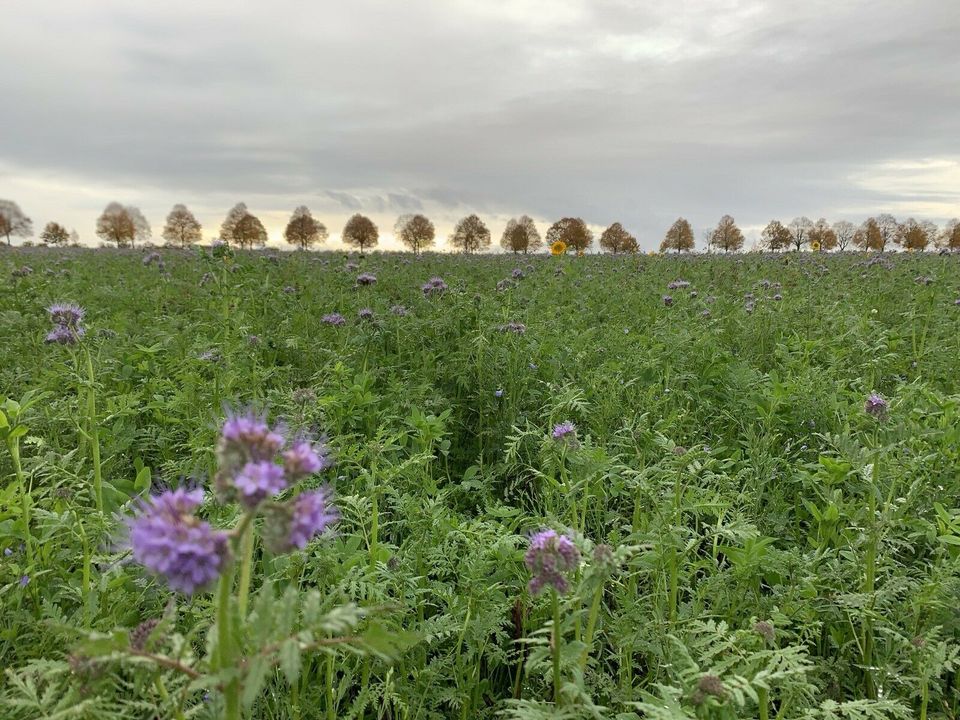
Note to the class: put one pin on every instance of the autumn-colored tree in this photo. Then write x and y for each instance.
(889, 230)
(470, 235)
(573, 232)
(913, 235)
(54, 234)
(776, 236)
(181, 227)
(679, 237)
(868, 236)
(521, 236)
(13, 221)
(726, 235)
(229, 224)
(360, 232)
(249, 232)
(843, 230)
(304, 230)
(615, 239)
(800, 228)
(950, 237)
(822, 237)
(115, 224)
(415, 231)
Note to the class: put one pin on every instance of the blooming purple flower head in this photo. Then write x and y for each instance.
(151, 258)
(513, 327)
(24, 580)
(290, 290)
(399, 310)
(259, 480)
(498, 393)
(678, 284)
(293, 524)
(549, 557)
(333, 319)
(778, 297)
(169, 540)
(517, 274)
(67, 328)
(366, 314)
(565, 431)
(366, 279)
(434, 286)
(351, 266)
(667, 300)
(303, 458)
(876, 406)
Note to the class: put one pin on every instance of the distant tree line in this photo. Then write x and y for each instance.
(125, 225)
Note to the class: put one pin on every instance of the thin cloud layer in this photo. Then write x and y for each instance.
(616, 111)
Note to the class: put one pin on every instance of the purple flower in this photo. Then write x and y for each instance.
(513, 327)
(250, 434)
(24, 580)
(564, 431)
(876, 406)
(302, 459)
(778, 297)
(66, 318)
(312, 514)
(170, 541)
(434, 286)
(498, 393)
(290, 290)
(333, 319)
(366, 279)
(678, 285)
(63, 335)
(366, 314)
(151, 258)
(549, 557)
(7, 552)
(667, 300)
(517, 274)
(259, 480)
(399, 310)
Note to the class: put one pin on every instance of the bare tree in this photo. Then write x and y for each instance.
(470, 235)
(54, 234)
(360, 232)
(679, 237)
(889, 230)
(616, 239)
(822, 237)
(573, 232)
(521, 235)
(304, 230)
(844, 230)
(115, 224)
(800, 228)
(415, 231)
(181, 227)
(727, 235)
(74, 237)
(13, 221)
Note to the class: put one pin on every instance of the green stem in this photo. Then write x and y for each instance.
(331, 705)
(94, 431)
(762, 694)
(14, 447)
(246, 561)
(225, 645)
(556, 647)
(591, 625)
(869, 585)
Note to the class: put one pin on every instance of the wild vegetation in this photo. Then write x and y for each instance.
(436, 486)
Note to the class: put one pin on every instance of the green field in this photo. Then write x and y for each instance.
(767, 548)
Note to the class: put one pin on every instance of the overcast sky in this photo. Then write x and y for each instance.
(613, 110)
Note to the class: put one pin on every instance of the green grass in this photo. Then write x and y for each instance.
(726, 458)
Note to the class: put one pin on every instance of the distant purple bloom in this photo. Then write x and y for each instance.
(876, 406)
(66, 318)
(678, 285)
(778, 297)
(694, 293)
(290, 290)
(259, 480)
(434, 286)
(513, 327)
(366, 314)
(517, 274)
(333, 319)
(399, 310)
(748, 306)
(957, 301)
(667, 300)
(503, 285)
(303, 459)
(366, 279)
(312, 514)
(24, 580)
(169, 540)
(351, 266)
(705, 313)
(548, 558)
(151, 258)
(498, 393)
(246, 437)
(7, 552)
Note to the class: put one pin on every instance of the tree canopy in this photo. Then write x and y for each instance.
(727, 235)
(360, 232)
(521, 236)
(615, 239)
(470, 235)
(572, 232)
(304, 231)
(181, 227)
(13, 222)
(55, 234)
(415, 231)
(679, 237)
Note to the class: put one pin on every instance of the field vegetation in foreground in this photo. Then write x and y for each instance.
(473, 487)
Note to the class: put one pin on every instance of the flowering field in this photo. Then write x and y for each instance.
(307, 485)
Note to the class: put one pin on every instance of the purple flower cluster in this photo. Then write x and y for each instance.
(399, 310)
(333, 319)
(434, 286)
(248, 454)
(67, 327)
(366, 279)
(22, 271)
(311, 514)
(667, 300)
(876, 406)
(517, 274)
(366, 314)
(512, 327)
(566, 433)
(505, 284)
(151, 258)
(678, 284)
(549, 557)
(169, 540)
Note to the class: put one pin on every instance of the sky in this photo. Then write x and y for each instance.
(611, 110)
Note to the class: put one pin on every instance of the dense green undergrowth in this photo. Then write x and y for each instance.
(776, 551)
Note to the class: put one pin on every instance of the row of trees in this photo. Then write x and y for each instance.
(125, 225)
